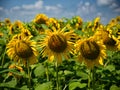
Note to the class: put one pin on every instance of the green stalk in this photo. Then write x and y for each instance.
(93, 78)
(3, 58)
(89, 80)
(47, 71)
(57, 77)
(29, 76)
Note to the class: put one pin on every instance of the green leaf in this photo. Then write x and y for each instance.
(74, 85)
(110, 68)
(39, 70)
(67, 72)
(10, 84)
(44, 26)
(114, 87)
(82, 75)
(24, 88)
(44, 86)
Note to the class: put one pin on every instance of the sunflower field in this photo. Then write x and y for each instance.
(60, 54)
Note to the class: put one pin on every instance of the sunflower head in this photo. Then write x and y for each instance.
(25, 32)
(109, 40)
(118, 18)
(40, 19)
(112, 22)
(53, 23)
(91, 52)
(57, 43)
(22, 49)
(1, 34)
(7, 21)
(18, 68)
(15, 27)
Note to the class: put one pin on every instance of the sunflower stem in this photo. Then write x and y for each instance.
(89, 80)
(29, 76)
(3, 58)
(57, 76)
(93, 78)
(47, 71)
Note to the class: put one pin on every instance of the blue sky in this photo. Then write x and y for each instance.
(25, 10)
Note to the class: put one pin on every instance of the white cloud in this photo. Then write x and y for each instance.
(117, 10)
(54, 9)
(15, 8)
(37, 5)
(113, 5)
(85, 8)
(104, 2)
(1, 8)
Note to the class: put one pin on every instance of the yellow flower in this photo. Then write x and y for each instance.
(112, 22)
(25, 32)
(109, 40)
(96, 23)
(40, 19)
(7, 21)
(15, 27)
(56, 44)
(14, 66)
(118, 18)
(22, 49)
(1, 34)
(91, 52)
(79, 23)
(53, 23)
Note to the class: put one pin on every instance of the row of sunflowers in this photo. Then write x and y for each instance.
(60, 54)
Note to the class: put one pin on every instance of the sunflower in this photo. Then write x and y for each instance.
(15, 27)
(38, 21)
(18, 68)
(1, 34)
(22, 49)
(90, 51)
(109, 40)
(57, 44)
(7, 21)
(25, 32)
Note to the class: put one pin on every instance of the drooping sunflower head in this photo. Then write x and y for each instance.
(53, 23)
(22, 49)
(40, 19)
(7, 21)
(91, 52)
(109, 40)
(96, 22)
(57, 44)
(1, 34)
(18, 68)
(25, 32)
(118, 18)
(15, 27)
(112, 22)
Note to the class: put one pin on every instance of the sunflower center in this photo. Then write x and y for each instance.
(90, 50)
(57, 43)
(23, 50)
(110, 41)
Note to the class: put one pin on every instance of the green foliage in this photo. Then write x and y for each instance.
(72, 75)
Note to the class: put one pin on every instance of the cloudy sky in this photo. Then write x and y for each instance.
(25, 10)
